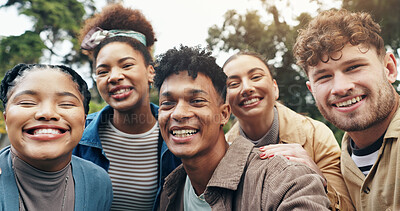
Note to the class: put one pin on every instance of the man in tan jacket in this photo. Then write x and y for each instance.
(214, 175)
(350, 75)
(277, 130)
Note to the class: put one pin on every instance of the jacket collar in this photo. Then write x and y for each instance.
(290, 131)
(230, 169)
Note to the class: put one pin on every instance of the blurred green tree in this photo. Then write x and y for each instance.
(386, 13)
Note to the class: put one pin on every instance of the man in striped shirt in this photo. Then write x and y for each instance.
(350, 76)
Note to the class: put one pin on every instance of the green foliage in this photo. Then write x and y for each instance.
(56, 21)
(26, 48)
(96, 106)
(385, 12)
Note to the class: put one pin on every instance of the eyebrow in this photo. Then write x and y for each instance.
(345, 63)
(119, 61)
(31, 92)
(248, 72)
(191, 91)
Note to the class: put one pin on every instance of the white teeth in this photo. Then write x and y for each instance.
(251, 101)
(120, 91)
(349, 102)
(183, 133)
(46, 131)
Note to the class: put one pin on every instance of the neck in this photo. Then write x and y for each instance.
(51, 165)
(137, 121)
(368, 136)
(201, 168)
(256, 128)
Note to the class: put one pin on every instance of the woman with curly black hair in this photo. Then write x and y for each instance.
(124, 137)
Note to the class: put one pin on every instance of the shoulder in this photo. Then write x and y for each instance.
(297, 128)
(88, 168)
(276, 167)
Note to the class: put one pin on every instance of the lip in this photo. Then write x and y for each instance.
(45, 137)
(121, 95)
(241, 103)
(350, 108)
(182, 140)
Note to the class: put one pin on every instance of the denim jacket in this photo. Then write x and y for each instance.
(93, 190)
(90, 148)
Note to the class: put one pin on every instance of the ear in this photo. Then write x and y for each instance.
(225, 113)
(5, 117)
(151, 73)
(390, 65)
(309, 86)
(276, 89)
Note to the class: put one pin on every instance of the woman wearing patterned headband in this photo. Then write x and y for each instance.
(124, 137)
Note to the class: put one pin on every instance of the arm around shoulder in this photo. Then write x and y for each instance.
(295, 187)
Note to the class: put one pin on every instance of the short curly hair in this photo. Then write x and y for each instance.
(14, 76)
(194, 60)
(116, 16)
(330, 31)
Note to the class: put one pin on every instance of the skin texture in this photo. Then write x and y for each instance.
(187, 104)
(123, 79)
(57, 106)
(356, 75)
(249, 78)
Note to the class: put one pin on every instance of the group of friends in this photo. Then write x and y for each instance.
(135, 155)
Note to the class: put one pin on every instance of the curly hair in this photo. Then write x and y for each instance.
(330, 31)
(253, 54)
(194, 60)
(14, 76)
(116, 16)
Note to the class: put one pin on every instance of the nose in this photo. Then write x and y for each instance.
(115, 75)
(181, 112)
(47, 112)
(342, 84)
(247, 88)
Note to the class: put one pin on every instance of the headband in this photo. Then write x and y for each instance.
(96, 35)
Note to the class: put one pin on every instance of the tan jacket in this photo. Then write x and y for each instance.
(380, 190)
(242, 181)
(319, 142)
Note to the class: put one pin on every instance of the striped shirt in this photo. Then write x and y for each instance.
(133, 166)
(366, 157)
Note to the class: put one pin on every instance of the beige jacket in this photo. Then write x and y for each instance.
(380, 190)
(319, 142)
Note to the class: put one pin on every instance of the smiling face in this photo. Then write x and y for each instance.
(191, 115)
(44, 123)
(251, 91)
(354, 92)
(122, 76)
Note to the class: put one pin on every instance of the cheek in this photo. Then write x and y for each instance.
(162, 119)
(101, 84)
(230, 96)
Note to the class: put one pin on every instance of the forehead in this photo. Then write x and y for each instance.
(243, 64)
(182, 83)
(46, 81)
(348, 55)
(117, 49)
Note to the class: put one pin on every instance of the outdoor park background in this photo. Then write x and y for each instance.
(46, 31)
